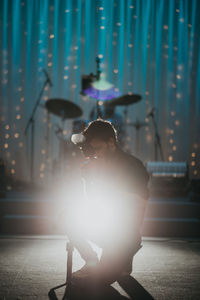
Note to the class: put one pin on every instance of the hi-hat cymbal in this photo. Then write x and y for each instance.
(125, 100)
(63, 108)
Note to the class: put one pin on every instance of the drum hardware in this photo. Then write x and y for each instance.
(138, 125)
(63, 108)
(31, 122)
(124, 100)
(87, 80)
(96, 87)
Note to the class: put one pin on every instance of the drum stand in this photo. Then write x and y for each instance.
(68, 283)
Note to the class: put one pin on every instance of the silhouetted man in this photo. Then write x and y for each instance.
(120, 180)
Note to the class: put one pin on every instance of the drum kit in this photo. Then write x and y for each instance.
(67, 110)
(107, 100)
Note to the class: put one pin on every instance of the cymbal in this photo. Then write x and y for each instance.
(125, 100)
(63, 108)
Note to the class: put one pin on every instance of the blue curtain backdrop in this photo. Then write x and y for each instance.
(149, 47)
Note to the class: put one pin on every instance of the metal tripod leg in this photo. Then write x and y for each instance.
(68, 289)
(68, 283)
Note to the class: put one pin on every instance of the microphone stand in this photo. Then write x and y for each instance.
(31, 122)
(157, 139)
(68, 283)
(98, 74)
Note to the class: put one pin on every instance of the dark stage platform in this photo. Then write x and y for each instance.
(166, 268)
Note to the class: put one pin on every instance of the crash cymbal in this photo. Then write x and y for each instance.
(63, 108)
(125, 100)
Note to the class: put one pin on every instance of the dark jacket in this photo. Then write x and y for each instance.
(124, 174)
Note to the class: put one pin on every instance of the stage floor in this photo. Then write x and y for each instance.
(166, 268)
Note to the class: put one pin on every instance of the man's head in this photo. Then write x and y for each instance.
(101, 137)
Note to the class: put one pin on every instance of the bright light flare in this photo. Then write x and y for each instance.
(107, 219)
(106, 216)
(96, 217)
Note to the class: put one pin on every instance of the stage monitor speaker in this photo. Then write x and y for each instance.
(168, 179)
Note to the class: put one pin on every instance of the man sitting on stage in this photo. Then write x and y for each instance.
(119, 180)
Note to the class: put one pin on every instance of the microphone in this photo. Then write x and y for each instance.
(78, 138)
(48, 78)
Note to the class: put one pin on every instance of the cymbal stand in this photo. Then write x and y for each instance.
(157, 139)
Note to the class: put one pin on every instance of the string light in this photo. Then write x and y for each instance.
(176, 90)
(172, 113)
(177, 122)
(178, 95)
(43, 151)
(16, 135)
(12, 171)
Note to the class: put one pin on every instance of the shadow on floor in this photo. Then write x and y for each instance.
(130, 285)
(134, 289)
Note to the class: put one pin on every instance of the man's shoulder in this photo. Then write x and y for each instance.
(130, 159)
(134, 165)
